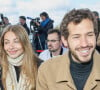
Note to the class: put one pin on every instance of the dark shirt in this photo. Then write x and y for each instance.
(26, 28)
(80, 72)
(61, 52)
(98, 48)
(42, 30)
(1, 86)
(17, 69)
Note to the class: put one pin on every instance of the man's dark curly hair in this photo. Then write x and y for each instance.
(76, 16)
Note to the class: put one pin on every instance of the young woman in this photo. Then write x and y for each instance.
(19, 63)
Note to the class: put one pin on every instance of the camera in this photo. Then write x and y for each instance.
(34, 21)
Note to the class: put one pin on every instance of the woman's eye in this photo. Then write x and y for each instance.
(17, 41)
(6, 42)
(90, 34)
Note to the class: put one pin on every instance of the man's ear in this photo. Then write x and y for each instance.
(64, 41)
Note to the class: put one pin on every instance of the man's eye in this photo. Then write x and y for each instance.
(76, 37)
(53, 40)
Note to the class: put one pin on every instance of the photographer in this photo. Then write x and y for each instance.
(43, 27)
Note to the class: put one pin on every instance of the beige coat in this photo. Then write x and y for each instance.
(55, 75)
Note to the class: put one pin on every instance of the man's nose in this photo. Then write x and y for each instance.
(84, 41)
(49, 43)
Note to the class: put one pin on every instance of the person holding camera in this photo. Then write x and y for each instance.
(43, 27)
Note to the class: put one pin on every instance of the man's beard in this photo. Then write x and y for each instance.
(75, 55)
(52, 50)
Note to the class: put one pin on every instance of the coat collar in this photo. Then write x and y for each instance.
(96, 64)
(64, 72)
(95, 73)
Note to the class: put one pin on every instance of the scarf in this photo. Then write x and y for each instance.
(15, 61)
(11, 80)
(44, 23)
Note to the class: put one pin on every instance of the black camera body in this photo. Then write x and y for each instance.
(34, 21)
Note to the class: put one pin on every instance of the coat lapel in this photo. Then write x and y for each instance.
(65, 76)
(94, 75)
(64, 72)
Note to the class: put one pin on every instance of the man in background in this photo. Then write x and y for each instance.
(22, 21)
(54, 45)
(98, 21)
(6, 21)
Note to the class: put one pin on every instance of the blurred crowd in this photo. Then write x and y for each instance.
(38, 31)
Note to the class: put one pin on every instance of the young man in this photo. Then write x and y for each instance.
(79, 69)
(54, 44)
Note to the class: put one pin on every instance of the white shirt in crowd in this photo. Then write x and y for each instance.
(46, 55)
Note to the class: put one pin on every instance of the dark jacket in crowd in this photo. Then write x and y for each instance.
(43, 29)
(1, 86)
(27, 29)
(98, 40)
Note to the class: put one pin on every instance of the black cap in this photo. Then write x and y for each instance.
(23, 17)
(44, 14)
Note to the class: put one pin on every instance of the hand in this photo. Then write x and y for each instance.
(38, 24)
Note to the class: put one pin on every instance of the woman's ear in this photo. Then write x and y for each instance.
(64, 41)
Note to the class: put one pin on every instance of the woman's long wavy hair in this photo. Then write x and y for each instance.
(29, 66)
